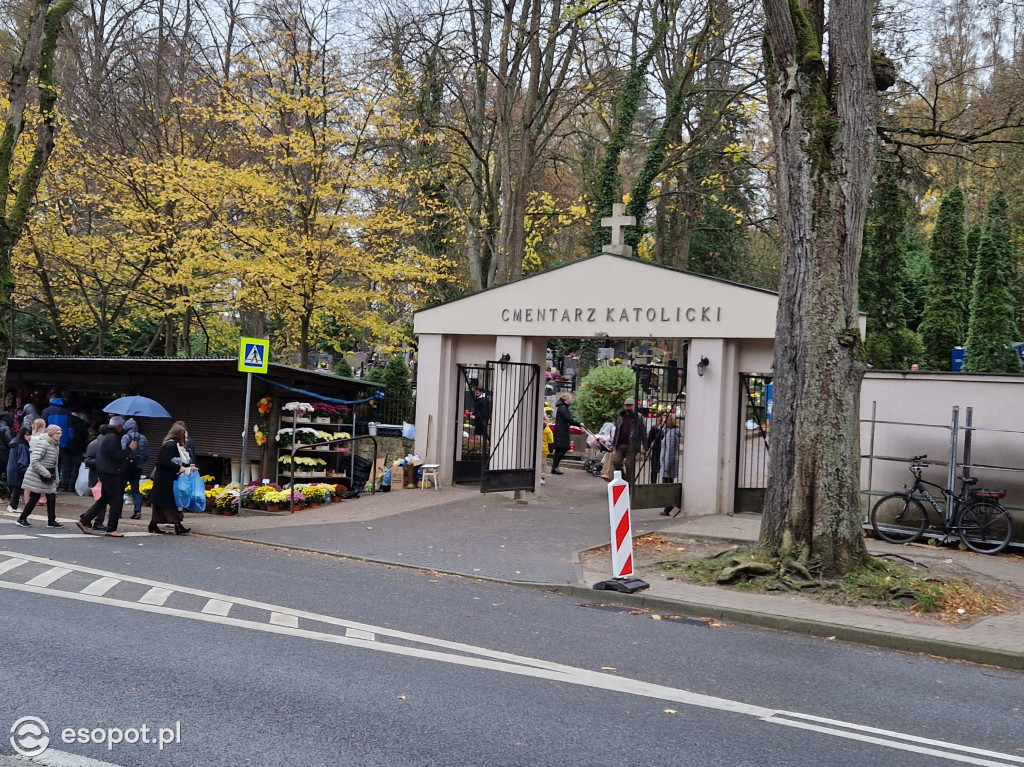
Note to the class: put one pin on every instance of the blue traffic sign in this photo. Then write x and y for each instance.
(253, 355)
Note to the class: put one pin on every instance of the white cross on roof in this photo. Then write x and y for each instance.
(617, 222)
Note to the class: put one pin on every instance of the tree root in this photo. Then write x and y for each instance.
(775, 574)
(744, 568)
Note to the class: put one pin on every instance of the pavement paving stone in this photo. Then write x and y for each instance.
(537, 543)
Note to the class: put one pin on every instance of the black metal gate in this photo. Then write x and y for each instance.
(660, 390)
(752, 456)
(472, 436)
(497, 435)
(515, 427)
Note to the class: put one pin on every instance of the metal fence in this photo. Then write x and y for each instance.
(960, 448)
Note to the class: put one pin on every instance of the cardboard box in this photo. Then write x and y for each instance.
(409, 473)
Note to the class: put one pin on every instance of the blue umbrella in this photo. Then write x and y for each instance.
(137, 405)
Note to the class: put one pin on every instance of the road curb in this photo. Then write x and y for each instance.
(886, 640)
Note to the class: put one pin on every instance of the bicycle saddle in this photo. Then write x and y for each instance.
(968, 480)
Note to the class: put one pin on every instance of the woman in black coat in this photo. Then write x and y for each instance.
(172, 461)
(563, 420)
(17, 463)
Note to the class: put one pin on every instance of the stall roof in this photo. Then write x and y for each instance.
(120, 371)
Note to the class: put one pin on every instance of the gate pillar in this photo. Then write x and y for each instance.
(435, 406)
(710, 438)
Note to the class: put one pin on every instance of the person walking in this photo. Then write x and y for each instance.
(7, 433)
(41, 476)
(89, 460)
(546, 438)
(57, 414)
(563, 421)
(136, 461)
(654, 446)
(669, 455)
(172, 460)
(112, 466)
(481, 416)
(630, 439)
(17, 464)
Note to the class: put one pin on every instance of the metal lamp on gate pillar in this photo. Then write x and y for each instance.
(622, 540)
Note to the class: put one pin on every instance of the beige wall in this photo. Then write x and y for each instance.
(913, 416)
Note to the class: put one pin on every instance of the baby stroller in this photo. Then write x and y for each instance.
(600, 444)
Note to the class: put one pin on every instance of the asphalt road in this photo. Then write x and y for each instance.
(261, 656)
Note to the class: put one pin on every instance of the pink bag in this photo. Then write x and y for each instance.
(97, 491)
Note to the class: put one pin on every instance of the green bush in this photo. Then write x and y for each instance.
(600, 394)
(343, 369)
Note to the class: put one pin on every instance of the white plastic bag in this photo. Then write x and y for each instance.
(82, 483)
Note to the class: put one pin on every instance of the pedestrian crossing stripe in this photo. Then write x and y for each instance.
(253, 355)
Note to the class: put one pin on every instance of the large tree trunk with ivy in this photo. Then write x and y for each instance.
(18, 184)
(823, 119)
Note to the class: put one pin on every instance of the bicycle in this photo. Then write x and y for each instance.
(976, 516)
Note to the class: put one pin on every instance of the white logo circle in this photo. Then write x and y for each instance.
(30, 736)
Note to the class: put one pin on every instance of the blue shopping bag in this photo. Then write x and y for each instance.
(197, 502)
(182, 491)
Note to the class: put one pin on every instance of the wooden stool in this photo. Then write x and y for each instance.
(431, 472)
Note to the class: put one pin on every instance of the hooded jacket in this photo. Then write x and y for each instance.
(57, 414)
(17, 462)
(141, 453)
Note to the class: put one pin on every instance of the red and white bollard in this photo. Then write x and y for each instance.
(622, 540)
(622, 530)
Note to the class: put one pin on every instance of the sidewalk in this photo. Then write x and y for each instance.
(460, 531)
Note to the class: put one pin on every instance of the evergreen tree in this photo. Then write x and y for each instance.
(889, 344)
(944, 324)
(992, 312)
(343, 368)
(973, 241)
(398, 401)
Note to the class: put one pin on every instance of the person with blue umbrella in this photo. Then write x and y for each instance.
(112, 467)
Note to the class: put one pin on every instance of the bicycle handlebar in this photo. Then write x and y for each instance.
(917, 458)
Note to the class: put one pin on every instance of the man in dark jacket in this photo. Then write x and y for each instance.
(630, 439)
(57, 414)
(89, 459)
(112, 467)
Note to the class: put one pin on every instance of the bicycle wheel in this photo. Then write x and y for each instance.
(985, 527)
(899, 518)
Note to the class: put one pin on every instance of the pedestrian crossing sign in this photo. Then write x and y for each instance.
(253, 355)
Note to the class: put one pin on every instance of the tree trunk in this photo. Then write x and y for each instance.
(823, 124)
(35, 59)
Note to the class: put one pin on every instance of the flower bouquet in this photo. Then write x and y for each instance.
(302, 435)
(302, 466)
(264, 406)
(261, 434)
(300, 411)
(316, 493)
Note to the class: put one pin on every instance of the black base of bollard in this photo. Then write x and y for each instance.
(625, 585)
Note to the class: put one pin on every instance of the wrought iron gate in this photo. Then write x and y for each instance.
(752, 456)
(472, 438)
(660, 389)
(496, 441)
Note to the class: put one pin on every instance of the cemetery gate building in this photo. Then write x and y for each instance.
(498, 337)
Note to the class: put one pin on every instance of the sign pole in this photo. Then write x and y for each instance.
(245, 429)
(253, 357)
